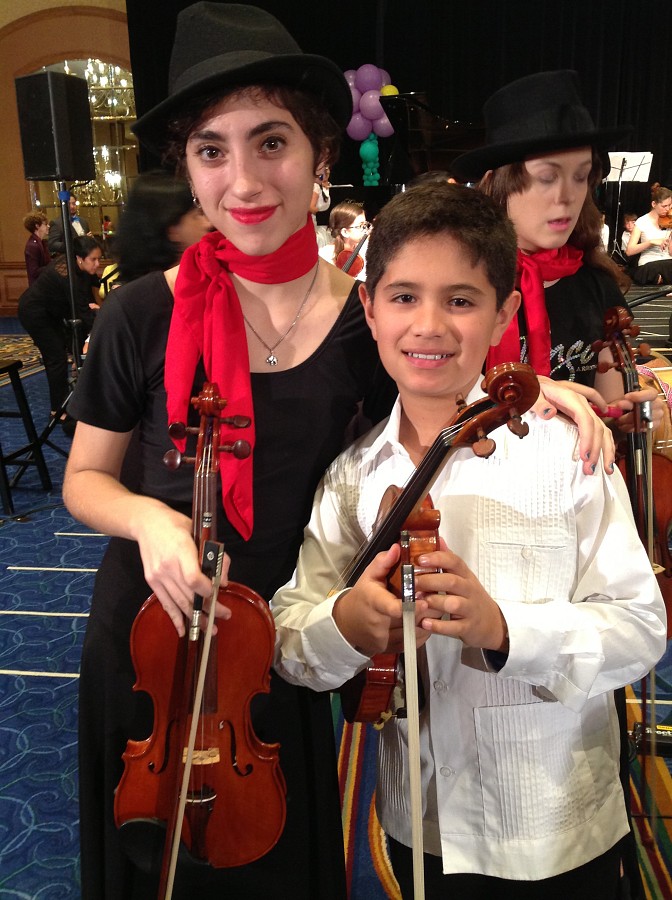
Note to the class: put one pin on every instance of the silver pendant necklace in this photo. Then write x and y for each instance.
(272, 359)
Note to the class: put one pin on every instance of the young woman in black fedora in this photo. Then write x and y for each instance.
(251, 121)
(542, 161)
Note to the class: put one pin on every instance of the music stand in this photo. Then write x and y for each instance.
(626, 166)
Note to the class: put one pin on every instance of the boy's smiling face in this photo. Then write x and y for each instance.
(434, 317)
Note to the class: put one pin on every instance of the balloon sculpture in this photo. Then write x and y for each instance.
(369, 121)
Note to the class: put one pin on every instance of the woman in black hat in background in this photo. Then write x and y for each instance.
(251, 121)
(543, 159)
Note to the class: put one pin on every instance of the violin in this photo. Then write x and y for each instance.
(350, 260)
(203, 777)
(647, 473)
(511, 388)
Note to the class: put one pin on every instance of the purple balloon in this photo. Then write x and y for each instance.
(385, 77)
(350, 76)
(368, 78)
(383, 127)
(369, 105)
(356, 97)
(358, 128)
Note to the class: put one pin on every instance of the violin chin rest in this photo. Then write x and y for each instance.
(143, 842)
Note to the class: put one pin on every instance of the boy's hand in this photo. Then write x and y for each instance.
(369, 614)
(475, 618)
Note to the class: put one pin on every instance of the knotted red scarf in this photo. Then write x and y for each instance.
(533, 270)
(207, 322)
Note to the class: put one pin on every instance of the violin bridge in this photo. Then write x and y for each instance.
(207, 757)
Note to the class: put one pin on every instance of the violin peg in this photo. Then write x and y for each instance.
(172, 459)
(237, 421)
(177, 430)
(517, 426)
(483, 447)
(240, 449)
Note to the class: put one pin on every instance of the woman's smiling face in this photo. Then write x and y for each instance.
(546, 211)
(252, 169)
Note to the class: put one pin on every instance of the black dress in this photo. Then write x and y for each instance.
(301, 416)
(44, 311)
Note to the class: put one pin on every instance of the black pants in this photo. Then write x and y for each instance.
(656, 272)
(597, 880)
(50, 337)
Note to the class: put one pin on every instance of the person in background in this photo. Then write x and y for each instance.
(45, 311)
(542, 162)
(79, 227)
(348, 229)
(107, 232)
(629, 219)
(651, 243)
(320, 203)
(542, 599)
(36, 253)
(159, 222)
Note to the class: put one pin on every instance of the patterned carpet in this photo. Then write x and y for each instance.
(19, 346)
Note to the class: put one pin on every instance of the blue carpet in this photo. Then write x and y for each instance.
(43, 613)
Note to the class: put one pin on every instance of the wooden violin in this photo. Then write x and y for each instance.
(203, 776)
(648, 473)
(350, 260)
(512, 388)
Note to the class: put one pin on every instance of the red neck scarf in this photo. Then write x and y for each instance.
(533, 270)
(207, 322)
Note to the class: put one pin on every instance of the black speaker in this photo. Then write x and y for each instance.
(55, 125)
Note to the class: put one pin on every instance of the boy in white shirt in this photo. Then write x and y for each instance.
(544, 602)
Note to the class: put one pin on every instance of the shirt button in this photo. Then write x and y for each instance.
(446, 771)
(526, 552)
(439, 685)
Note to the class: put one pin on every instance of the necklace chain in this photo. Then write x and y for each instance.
(272, 359)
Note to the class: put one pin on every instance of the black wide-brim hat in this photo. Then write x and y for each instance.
(228, 45)
(537, 114)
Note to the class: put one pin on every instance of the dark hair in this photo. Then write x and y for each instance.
(471, 219)
(85, 245)
(515, 179)
(630, 217)
(342, 216)
(33, 220)
(156, 201)
(316, 123)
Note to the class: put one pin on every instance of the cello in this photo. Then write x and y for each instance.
(203, 775)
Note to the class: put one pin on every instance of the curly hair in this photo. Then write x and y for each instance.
(33, 220)
(313, 119)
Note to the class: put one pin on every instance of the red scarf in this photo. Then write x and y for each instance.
(207, 322)
(533, 270)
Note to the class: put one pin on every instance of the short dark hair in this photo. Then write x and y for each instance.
(480, 226)
(316, 123)
(84, 245)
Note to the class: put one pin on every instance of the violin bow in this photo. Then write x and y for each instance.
(213, 558)
(413, 714)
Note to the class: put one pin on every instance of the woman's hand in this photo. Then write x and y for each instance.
(627, 422)
(171, 565)
(573, 400)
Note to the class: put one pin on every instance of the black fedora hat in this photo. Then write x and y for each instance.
(220, 45)
(537, 114)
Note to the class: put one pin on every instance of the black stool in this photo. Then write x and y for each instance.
(28, 455)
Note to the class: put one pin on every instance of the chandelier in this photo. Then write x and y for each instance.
(110, 88)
